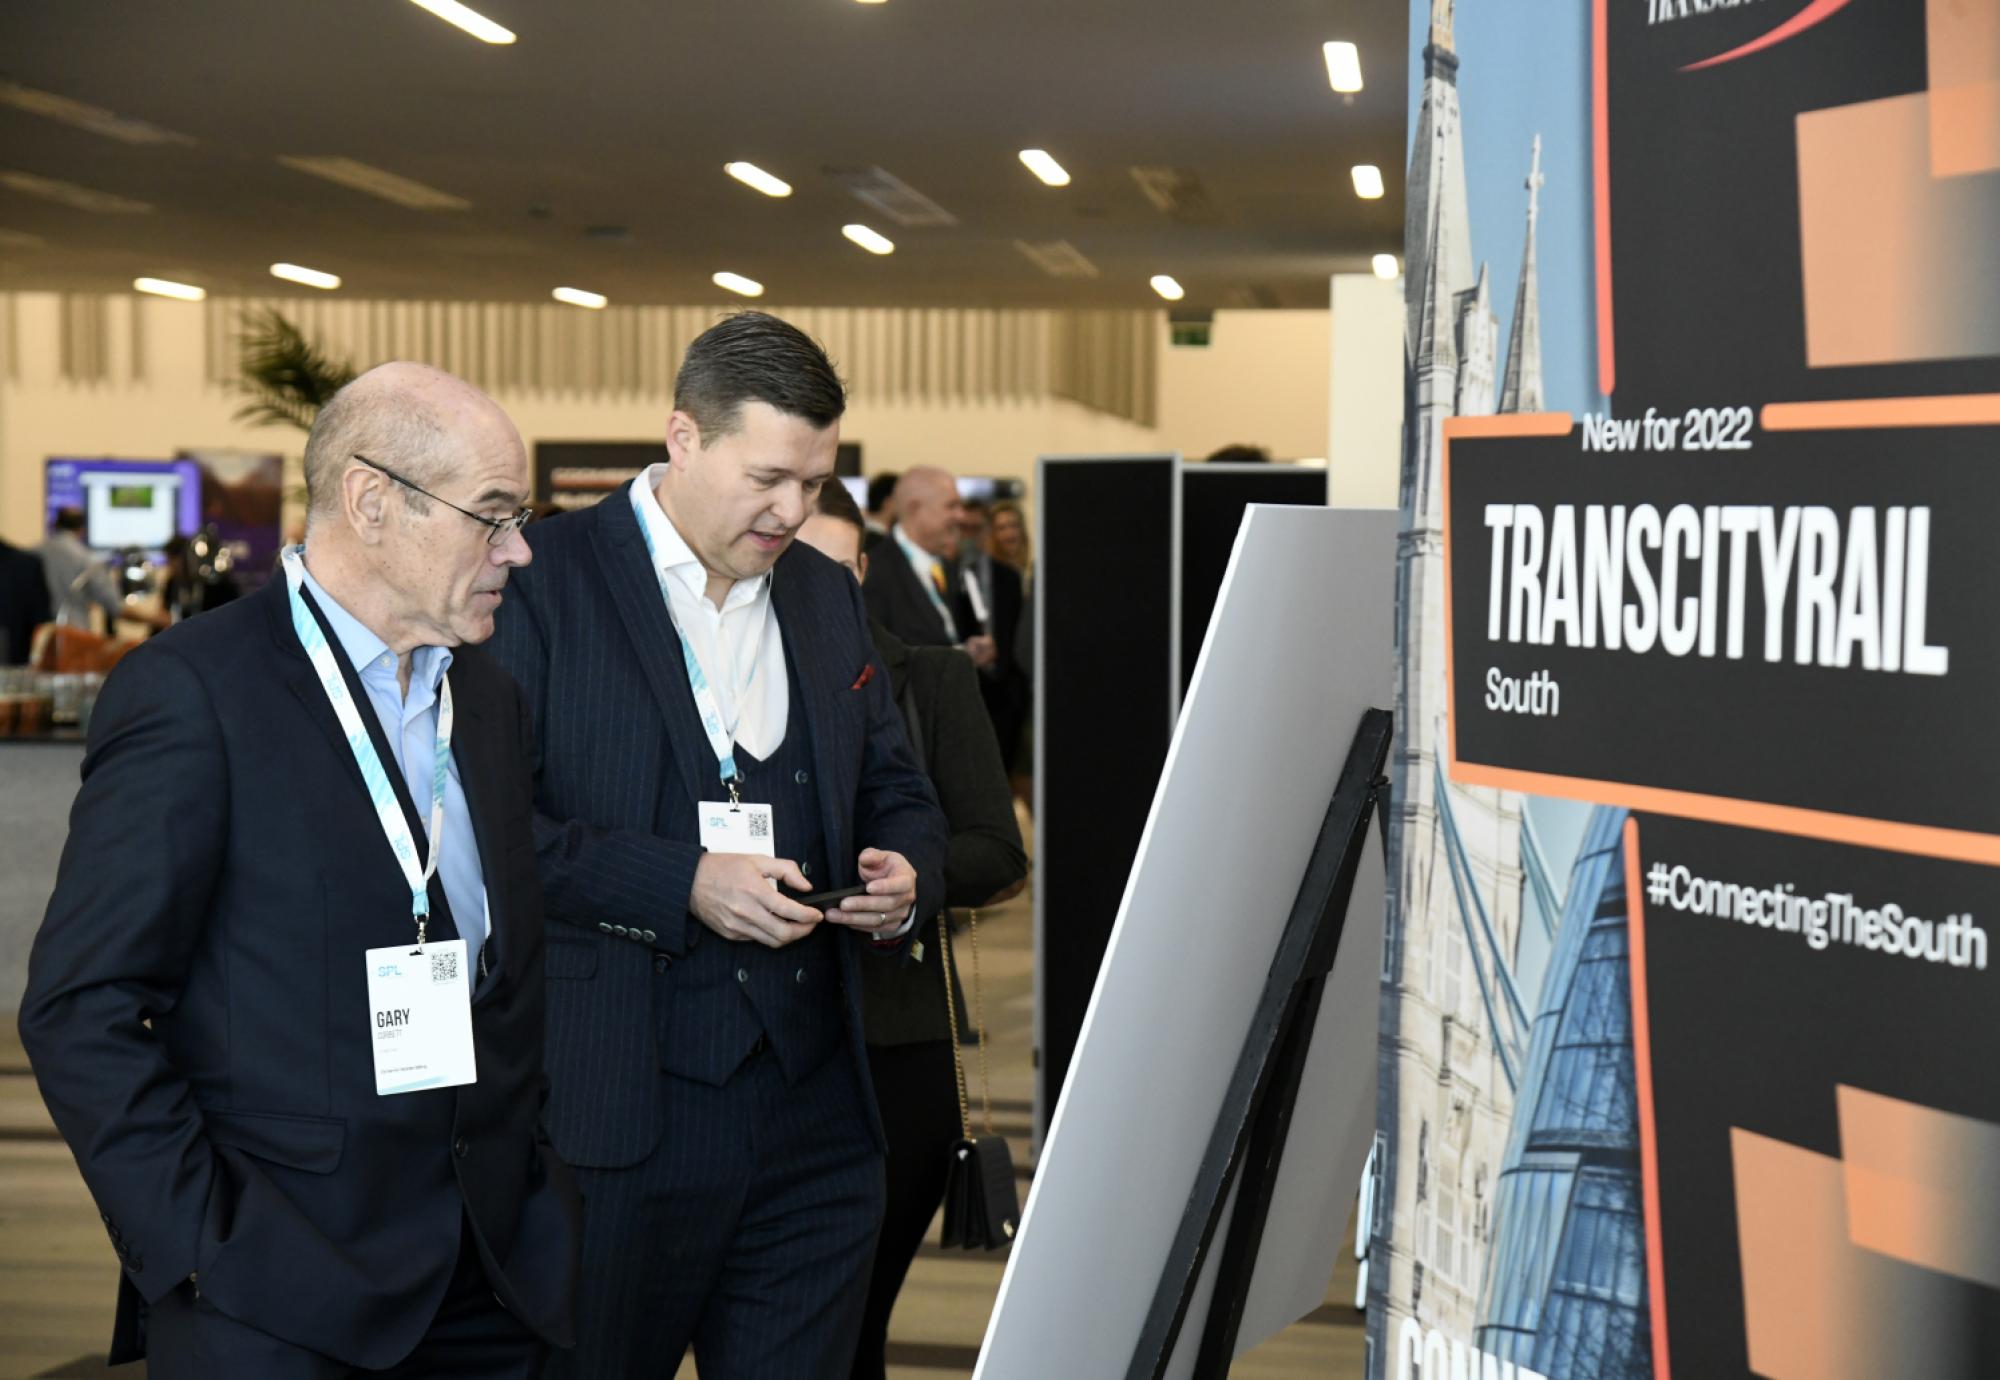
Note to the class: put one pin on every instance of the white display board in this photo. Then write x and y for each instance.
(1300, 645)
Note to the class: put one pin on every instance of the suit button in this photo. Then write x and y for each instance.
(661, 963)
(461, 1147)
(799, 976)
(621, 931)
(648, 936)
(134, 1263)
(801, 776)
(603, 927)
(742, 974)
(806, 869)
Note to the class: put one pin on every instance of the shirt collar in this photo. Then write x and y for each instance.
(365, 651)
(923, 560)
(676, 557)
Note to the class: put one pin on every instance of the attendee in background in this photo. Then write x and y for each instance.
(993, 590)
(197, 576)
(881, 514)
(916, 589)
(1239, 454)
(24, 602)
(1007, 537)
(77, 580)
(903, 1007)
(719, 741)
(251, 896)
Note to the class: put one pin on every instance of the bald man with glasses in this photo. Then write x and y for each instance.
(286, 1005)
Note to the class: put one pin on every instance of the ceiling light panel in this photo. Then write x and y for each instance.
(577, 297)
(887, 194)
(471, 20)
(1168, 288)
(96, 119)
(308, 277)
(70, 195)
(737, 283)
(754, 177)
(1367, 181)
(1046, 168)
(1343, 67)
(1057, 258)
(1386, 267)
(166, 287)
(360, 177)
(868, 239)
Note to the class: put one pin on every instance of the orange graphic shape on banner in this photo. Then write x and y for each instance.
(1922, 1185)
(1642, 1071)
(1816, 1306)
(1899, 201)
(1963, 40)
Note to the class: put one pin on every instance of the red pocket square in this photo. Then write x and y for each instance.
(867, 674)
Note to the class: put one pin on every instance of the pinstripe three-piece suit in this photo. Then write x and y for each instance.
(712, 1095)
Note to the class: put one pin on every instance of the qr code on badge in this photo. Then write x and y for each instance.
(444, 967)
(760, 826)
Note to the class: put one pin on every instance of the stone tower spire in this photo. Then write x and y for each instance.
(1522, 389)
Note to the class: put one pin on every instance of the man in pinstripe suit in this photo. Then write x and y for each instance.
(718, 740)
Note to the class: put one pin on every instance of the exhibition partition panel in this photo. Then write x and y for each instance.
(1213, 498)
(1105, 628)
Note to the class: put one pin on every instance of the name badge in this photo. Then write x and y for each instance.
(740, 828)
(420, 1017)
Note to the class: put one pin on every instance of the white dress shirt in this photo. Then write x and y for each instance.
(738, 646)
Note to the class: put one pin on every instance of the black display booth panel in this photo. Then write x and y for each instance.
(576, 474)
(1213, 498)
(1104, 711)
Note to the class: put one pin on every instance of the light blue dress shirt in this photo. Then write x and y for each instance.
(410, 725)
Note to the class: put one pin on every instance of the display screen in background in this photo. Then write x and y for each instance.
(118, 515)
(858, 487)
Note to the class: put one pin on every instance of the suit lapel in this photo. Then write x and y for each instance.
(297, 672)
(918, 593)
(801, 626)
(296, 669)
(635, 592)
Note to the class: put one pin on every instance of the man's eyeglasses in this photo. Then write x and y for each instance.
(498, 529)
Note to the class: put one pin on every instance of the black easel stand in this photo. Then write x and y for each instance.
(1249, 1137)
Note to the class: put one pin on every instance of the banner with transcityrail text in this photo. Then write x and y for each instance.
(1686, 1044)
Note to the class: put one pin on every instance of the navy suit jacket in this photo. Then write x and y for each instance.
(623, 763)
(898, 601)
(197, 1006)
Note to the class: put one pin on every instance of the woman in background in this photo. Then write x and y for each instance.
(903, 1003)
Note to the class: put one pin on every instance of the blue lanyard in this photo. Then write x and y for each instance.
(721, 735)
(382, 795)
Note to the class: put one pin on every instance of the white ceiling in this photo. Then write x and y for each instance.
(590, 152)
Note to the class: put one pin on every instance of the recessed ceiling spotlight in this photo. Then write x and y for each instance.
(868, 239)
(1343, 67)
(736, 282)
(162, 287)
(1041, 165)
(310, 277)
(470, 20)
(1168, 288)
(577, 297)
(1367, 181)
(750, 175)
(1386, 266)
